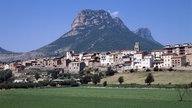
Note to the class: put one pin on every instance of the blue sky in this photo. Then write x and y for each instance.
(27, 25)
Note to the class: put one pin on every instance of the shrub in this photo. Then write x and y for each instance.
(104, 83)
(170, 69)
(96, 79)
(110, 72)
(85, 79)
(131, 71)
(121, 79)
(149, 79)
(160, 69)
(156, 68)
(148, 70)
(53, 84)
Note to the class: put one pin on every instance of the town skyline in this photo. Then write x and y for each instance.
(30, 25)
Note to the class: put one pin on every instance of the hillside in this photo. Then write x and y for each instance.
(3, 51)
(160, 78)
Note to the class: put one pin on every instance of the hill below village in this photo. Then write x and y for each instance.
(159, 77)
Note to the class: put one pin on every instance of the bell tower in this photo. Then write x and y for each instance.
(137, 47)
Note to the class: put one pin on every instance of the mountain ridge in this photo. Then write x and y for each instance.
(3, 51)
(92, 31)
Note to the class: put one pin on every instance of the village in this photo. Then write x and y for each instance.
(177, 57)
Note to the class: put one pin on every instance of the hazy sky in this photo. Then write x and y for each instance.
(26, 25)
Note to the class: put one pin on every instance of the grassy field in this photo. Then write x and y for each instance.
(160, 78)
(92, 98)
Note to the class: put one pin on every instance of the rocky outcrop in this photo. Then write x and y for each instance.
(145, 33)
(90, 18)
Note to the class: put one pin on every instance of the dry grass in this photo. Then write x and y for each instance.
(160, 78)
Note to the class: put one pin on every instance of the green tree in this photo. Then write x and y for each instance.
(131, 71)
(54, 75)
(96, 79)
(85, 79)
(110, 72)
(121, 79)
(182, 91)
(5, 75)
(170, 69)
(156, 68)
(53, 84)
(37, 76)
(104, 83)
(149, 79)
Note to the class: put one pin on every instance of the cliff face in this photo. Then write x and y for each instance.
(91, 18)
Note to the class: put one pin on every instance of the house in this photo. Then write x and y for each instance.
(57, 61)
(106, 59)
(1, 66)
(44, 74)
(143, 63)
(20, 80)
(71, 55)
(167, 60)
(127, 52)
(179, 49)
(178, 61)
(94, 63)
(157, 54)
(75, 67)
(189, 59)
(148, 61)
(86, 56)
(139, 55)
(6, 66)
(16, 66)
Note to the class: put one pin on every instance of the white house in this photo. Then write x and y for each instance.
(142, 61)
(127, 52)
(157, 54)
(19, 80)
(6, 66)
(167, 62)
(106, 59)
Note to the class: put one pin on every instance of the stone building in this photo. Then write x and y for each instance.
(189, 59)
(178, 61)
(179, 49)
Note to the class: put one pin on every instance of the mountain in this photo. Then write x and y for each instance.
(3, 51)
(96, 30)
(91, 31)
(145, 33)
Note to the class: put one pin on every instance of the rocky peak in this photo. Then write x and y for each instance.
(91, 17)
(144, 33)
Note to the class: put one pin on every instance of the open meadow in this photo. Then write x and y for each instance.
(92, 98)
